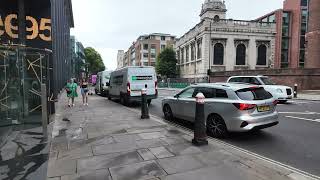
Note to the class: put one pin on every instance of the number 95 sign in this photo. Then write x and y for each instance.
(34, 29)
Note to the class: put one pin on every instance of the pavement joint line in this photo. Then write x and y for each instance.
(277, 163)
(311, 120)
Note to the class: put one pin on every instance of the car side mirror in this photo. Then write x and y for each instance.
(176, 96)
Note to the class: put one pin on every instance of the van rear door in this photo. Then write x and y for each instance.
(141, 77)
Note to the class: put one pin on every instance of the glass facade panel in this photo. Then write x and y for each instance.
(22, 71)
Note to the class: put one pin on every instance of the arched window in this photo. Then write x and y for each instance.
(262, 55)
(216, 18)
(241, 55)
(218, 54)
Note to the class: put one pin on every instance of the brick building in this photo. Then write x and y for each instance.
(313, 35)
(291, 23)
(144, 51)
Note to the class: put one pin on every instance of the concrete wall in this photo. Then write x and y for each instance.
(307, 79)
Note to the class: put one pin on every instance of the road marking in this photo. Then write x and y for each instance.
(312, 120)
(300, 113)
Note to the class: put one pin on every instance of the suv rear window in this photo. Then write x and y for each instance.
(253, 94)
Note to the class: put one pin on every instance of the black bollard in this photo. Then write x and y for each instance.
(144, 105)
(200, 130)
(295, 91)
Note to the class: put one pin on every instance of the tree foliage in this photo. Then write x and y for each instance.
(94, 59)
(166, 63)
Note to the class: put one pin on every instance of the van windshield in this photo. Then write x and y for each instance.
(253, 94)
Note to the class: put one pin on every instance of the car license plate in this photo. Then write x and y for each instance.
(263, 108)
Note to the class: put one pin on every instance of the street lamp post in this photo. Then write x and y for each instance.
(209, 70)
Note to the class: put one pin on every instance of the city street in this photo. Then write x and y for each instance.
(294, 142)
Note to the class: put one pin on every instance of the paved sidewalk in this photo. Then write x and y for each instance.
(109, 142)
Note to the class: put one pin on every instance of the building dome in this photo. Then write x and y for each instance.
(213, 8)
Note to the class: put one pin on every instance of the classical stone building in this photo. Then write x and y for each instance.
(221, 44)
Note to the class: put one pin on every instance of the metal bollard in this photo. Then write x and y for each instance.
(295, 91)
(144, 105)
(200, 130)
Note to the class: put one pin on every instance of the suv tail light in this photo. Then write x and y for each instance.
(242, 106)
(275, 102)
(128, 89)
(156, 87)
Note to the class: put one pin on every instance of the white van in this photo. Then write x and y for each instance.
(126, 84)
(102, 84)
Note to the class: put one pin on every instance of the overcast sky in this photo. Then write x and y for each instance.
(109, 25)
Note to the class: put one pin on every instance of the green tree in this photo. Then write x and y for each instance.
(166, 63)
(94, 60)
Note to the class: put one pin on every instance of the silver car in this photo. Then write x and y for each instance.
(228, 107)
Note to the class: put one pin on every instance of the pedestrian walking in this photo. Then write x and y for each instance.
(71, 89)
(84, 91)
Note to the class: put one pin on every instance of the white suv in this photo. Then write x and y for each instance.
(279, 92)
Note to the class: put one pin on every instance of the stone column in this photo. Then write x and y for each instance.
(313, 35)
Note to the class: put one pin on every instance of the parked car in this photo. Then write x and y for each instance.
(126, 84)
(102, 83)
(228, 107)
(281, 93)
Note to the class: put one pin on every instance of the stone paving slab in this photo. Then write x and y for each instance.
(146, 154)
(102, 174)
(107, 161)
(180, 164)
(140, 171)
(161, 152)
(61, 167)
(114, 148)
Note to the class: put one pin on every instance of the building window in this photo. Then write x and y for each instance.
(182, 55)
(262, 55)
(304, 2)
(241, 55)
(153, 55)
(216, 18)
(193, 48)
(178, 56)
(163, 47)
(272, 18)
(199, 47)
(218, 54)
(304, 19)
(163, 38)
(187, 53)
(145, 55)
(146, 46)
(285, 40)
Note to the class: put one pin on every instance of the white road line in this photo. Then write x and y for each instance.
(312, 120)
(300, 113)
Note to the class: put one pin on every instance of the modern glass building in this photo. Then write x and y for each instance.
(32, 53)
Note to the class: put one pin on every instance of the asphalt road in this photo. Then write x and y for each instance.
(295, 141)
